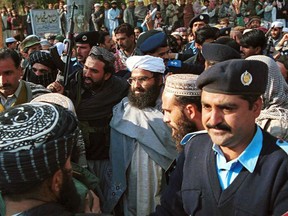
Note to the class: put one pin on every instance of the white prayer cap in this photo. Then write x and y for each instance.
(277, 24)
(182, 85)
(247, 30)
(10, 40)
(97, 5)
(146, 62)
(285, 30)
(56, 98)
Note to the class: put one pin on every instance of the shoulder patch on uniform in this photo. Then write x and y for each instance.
(189, 136)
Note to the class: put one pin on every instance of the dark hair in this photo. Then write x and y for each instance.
(254, 38)
(207, 32)
(251, 99)
(102, 35)
(226, 40)
(108, 66)
(185, 100)
(6, 53)
(125, 28)
(139, 28)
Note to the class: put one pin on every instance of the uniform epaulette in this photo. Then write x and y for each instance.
(189, 136)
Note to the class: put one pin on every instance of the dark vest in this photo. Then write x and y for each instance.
(249, 194)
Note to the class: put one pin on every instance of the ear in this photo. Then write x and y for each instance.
(258, 50)
(257, 106)
(107, 76)
(190, 111)
(198, 46)
(57, 182)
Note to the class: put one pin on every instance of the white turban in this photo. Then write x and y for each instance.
(149, 63)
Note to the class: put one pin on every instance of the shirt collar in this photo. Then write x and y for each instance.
(16, 93)
(189, 136)
(18, 90)
(249, 157)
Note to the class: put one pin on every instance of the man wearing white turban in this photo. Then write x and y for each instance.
(141, 147)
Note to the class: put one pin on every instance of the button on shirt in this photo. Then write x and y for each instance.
(228, 171)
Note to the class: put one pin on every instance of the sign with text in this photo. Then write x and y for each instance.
(45, 21)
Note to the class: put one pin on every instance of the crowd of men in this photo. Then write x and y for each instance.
(190, 119)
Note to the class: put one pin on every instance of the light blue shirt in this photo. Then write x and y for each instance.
(228, 171)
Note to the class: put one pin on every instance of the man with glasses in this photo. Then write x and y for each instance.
(141, 147)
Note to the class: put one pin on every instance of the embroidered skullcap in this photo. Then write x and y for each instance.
(36, 140)
(235, 77)
(99, 51)
(182, 85)
(147, 62)
(43, 58)
(56, 98)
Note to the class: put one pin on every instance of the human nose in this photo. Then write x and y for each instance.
(215, 117)
(136, 83)
(87, 73)
(166, 118)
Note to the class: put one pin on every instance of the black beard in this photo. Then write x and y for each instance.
(185, 126)
(146, 99)
(68, 196)
(94, 86)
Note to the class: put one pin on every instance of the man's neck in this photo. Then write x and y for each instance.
(130, 51)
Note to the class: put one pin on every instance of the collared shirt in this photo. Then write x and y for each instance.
(11, 99)
(228, 171)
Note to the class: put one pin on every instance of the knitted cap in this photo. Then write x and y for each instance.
(182, 85)
(35, 141)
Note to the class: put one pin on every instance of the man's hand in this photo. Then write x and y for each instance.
(56, 87)
(92, 203)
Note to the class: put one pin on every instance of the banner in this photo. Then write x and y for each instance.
(45, 21)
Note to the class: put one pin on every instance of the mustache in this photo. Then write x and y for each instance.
(6, 85)
(88, 78)
(138, 89)
(220, 126)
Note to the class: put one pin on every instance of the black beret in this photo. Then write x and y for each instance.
(219, 52)
(225, 31)
(90, 37)
(235, 77)
(151, 40)
(200, 17)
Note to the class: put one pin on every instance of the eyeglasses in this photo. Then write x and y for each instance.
(140, 80)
